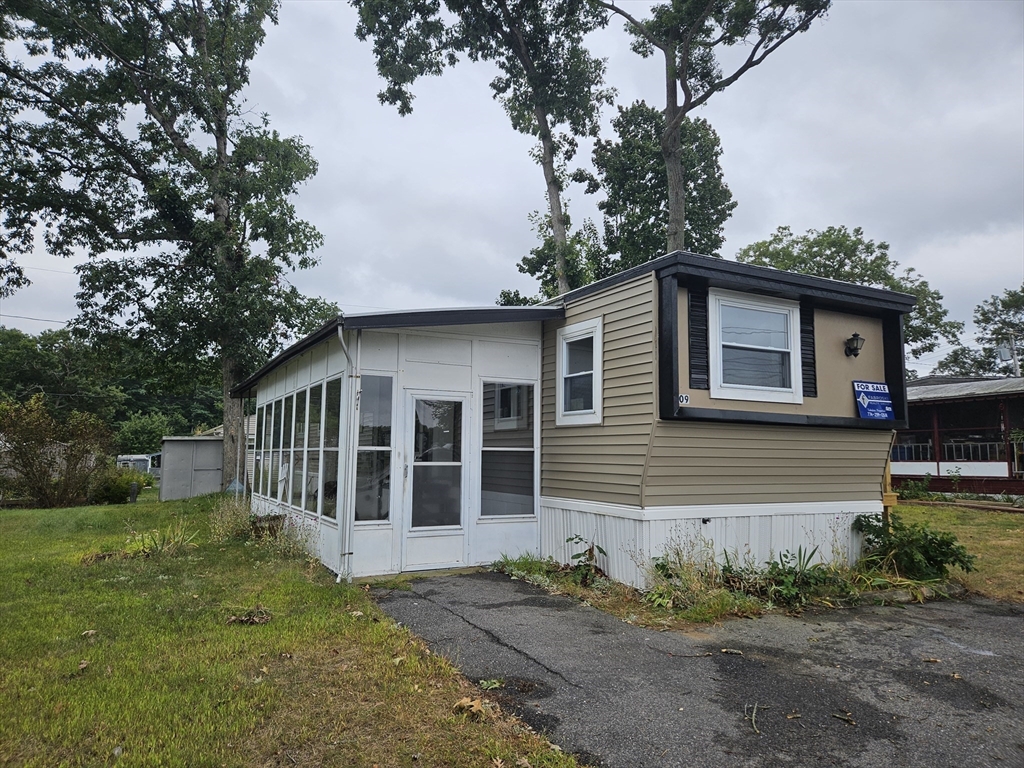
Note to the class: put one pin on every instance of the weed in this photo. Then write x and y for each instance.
(230, 520)
(688, 580)
(177, 537)
(913, 551)
(585, 567)
(916, 489)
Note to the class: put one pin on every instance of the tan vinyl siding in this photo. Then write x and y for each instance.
(715, 463)
(605, 462)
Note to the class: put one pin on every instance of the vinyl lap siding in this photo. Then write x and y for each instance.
(710, 463)
(605, 462)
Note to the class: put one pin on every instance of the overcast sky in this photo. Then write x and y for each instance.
(903, 118)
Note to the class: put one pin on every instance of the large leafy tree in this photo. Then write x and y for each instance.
(631, 172)
(1000, 323)
(547, 78)
(843, 254)
(689, 35)
(126, 134)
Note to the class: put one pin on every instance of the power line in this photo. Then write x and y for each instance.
(40, 319)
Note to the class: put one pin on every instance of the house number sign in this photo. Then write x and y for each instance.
(684, 399)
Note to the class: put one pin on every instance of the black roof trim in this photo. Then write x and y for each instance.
(401, 319)
(452, 316)
(731, 274)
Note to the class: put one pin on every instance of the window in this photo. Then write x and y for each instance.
(313, 444)
(373, 454)
(257, 453)
(578, 371)
(332, 430)
(755, 348)
(298, 452)
(507, 451)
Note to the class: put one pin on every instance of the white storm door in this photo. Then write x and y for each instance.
(436, 475)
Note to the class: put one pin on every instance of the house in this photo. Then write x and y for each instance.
(966, 433)
(687, 396)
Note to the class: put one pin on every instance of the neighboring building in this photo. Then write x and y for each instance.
(967, 434)
(688, 396)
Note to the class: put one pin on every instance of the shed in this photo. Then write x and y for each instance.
(190, 466)
(686, 397)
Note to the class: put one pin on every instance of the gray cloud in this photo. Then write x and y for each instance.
(906, 119)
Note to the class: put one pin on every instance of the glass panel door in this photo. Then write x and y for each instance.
(437, 463)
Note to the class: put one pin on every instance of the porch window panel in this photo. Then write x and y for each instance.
(508, 414)
(316, 398)
(330, 484)
(312, 489)
(257, 452)
(300, 419)
(373, 485)
(286, 424)
(298, 481)
(332, 413)
(273, 472)
(437, 495)
(375, 411)
(506, 483)
(277, 425)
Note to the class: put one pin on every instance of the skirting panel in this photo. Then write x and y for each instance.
(632, 536)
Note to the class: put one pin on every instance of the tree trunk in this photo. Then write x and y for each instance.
(672, 152)
(554, 200)
(234, 425)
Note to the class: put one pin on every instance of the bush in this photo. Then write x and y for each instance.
(915, 489)
(910, 551)
(51, 461)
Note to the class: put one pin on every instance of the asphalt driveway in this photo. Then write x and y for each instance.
(930, 685)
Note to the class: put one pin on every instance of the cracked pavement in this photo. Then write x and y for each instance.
(933, 685)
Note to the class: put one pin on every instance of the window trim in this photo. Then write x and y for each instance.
(566, 334)
(722, 391)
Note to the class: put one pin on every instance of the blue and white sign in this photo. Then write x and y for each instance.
(873, 401)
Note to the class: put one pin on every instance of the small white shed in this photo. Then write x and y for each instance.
(190, 466)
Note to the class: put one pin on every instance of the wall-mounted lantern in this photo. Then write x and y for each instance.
(854, 345)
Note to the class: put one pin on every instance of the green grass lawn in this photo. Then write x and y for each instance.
(134, 661)
(995, 538)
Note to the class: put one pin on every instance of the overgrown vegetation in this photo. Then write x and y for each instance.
(113, 485)
(47, 459)
(138, 661)
(911, 551)
(692, 582)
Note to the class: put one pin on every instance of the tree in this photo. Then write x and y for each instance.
(631, 171)
(64, 369)
(971, 362)
(142, 433)
(50, 459)
(841, 254)
(125, 133)
(585, 260)
(689, 34)
(1000, 323)
(547, 76)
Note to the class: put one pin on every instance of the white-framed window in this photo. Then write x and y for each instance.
(507, 452)
(578, 373)
(754, 348)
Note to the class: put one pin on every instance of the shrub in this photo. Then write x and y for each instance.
(52, 461)
(915, 489)
(913, 551)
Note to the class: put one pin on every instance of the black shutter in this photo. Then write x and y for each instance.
(807, 361)
(697, 319)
